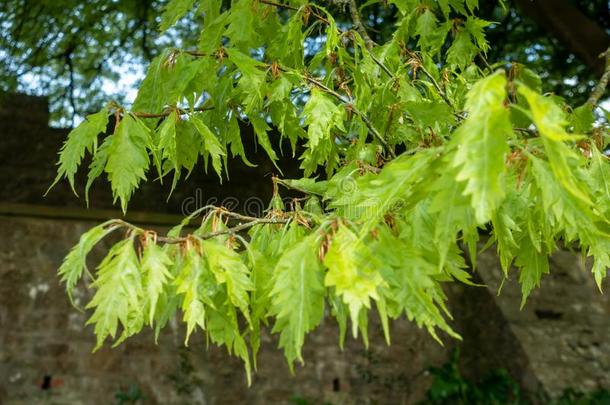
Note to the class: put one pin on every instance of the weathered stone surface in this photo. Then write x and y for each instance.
(559, 340)
(564, 327)
(42, 335)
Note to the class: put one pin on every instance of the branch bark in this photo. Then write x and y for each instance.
(358, 25)
(600, 89)
(569, 25)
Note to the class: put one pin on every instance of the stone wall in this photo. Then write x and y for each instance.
(559, 340)
(43, 338)
(564, 328)
(28, 167)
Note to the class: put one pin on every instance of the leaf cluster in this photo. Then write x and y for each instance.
(409, 155)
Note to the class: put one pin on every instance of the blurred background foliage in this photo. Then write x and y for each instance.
(80, 54)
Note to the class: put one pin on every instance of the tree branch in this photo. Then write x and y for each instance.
(278, 5)
(141, 114)
(600, 89)
(227, 231)
(355, 110)
(580, 34)
(357, 20)
(251, 221)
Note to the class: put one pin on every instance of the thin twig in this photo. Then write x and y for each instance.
(355, 110)
(600, 88)
(181, 111)
(227, 231)
(252, 221)
(357, 20)
(436, 85)
(381, 65)
(278, 5)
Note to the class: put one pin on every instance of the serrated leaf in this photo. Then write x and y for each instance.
(481, 144)
(260, 129)
(127, 158)
(321, 115)
(118, 291)
(297, 297)
(431, 34)
(211, 144)
(252, 81)
(98, 163)
(599, 178)
(80, 139)
(462, 51)
(165, 151)
(71, 269)
(353, 272)
(166, 81)
(551, 121)
(533, 265)
(232, 135)
(229, 269)
(155, 266)
(173, 11)
(190, 283)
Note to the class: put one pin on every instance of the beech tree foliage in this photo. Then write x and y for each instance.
(411, 150)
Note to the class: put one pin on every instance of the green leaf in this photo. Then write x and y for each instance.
(551, 121)
(598, 177)
(173, 11)
(431, 34)
(96, 168)
(155, 265)
(481, 145)
(128, 158)
(532, 265)
(476, 29)
(353, 271)
(462, 51)
(306, 185)
(242, 26)
(297, 297)
(166, 81)
(411, 285)
(80, 139)
(228, 268)
(321, 115)
(223, 329)
(118, 290)
(260, 129)
(252, 81)
(210, 38)
(450, 213)
(211, 144)
(190, 283)
(230, 132)
(582, 119)
(165, 152)
(71, 269)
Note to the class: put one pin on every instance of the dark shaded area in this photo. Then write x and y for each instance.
(46, 383)
(559, 39)
(29, 149)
